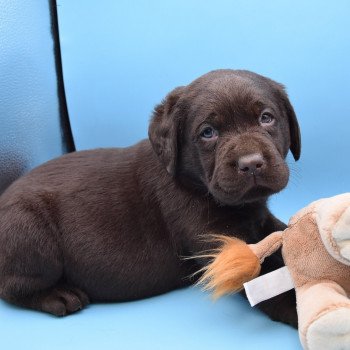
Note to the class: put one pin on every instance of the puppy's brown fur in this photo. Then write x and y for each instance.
(114, 224)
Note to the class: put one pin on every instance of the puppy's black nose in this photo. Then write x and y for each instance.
(251, 163)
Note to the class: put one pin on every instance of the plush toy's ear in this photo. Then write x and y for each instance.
(163, 130)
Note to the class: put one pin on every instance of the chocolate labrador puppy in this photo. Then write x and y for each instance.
(115, 224)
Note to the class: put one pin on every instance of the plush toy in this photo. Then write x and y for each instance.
(316, 251)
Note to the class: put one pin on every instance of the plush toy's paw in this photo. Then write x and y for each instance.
(331, 331)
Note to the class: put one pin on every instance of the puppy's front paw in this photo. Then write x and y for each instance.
(282, 308)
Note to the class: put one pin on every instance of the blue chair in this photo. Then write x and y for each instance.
(120, 59)
(34, 125)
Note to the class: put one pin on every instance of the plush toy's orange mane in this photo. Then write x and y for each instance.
(234, 263)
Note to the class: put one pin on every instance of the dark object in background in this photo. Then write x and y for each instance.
(114, 224)
(33, 113)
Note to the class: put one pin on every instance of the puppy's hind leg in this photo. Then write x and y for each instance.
(60, 300)
(31, 264)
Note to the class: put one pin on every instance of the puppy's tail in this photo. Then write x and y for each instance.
(236, 262)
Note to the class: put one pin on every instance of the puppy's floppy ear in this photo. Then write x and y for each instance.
(294, 130)
(163, 129)
(295, 137)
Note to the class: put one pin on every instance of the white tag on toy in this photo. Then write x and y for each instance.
(268, 286)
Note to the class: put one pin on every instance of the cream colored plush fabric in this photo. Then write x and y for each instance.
(333, 220)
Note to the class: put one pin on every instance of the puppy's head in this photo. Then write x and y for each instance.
(227, 133)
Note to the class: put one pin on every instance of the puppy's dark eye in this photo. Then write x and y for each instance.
(266, 118)
(209, 133)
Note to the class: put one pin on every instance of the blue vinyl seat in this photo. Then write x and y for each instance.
(110, 94)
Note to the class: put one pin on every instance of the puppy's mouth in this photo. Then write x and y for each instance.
(253, 193)
(257, 192)
(252, 190)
